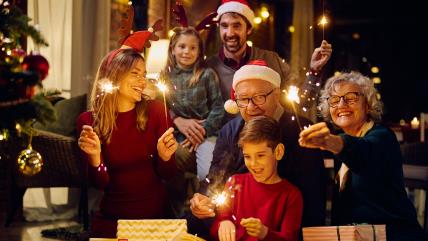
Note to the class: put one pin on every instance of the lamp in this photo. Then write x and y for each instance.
(156, 61)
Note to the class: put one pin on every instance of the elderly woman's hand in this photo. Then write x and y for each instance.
(319, 136)
(167, 145)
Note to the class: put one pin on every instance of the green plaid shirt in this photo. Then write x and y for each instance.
(201, 101)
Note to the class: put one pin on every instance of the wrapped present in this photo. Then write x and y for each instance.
(151, 229)
(362, 232)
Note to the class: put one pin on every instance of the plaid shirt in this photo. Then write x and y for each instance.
(201, 101)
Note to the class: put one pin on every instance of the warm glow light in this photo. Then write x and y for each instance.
(162, 87)
(291, 29)
(157, 57)
(257, 20)
(265, 12)
(107, 86)
(376, 80)
(323, 21)
(375, 70)
(250, 43)
(292, 94)
(337, 73)
(220, 199)
(170, 33)
(378, 96)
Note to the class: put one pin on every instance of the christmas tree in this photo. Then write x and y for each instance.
(20, 72)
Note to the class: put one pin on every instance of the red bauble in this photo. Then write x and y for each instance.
(37, 63)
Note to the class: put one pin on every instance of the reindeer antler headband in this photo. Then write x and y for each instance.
(137, 40)
(181, 18)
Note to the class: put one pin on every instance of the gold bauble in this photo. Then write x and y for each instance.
(30, 162)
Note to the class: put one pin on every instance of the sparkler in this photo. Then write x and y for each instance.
(293, 96)
(163, 88)
(106, 87)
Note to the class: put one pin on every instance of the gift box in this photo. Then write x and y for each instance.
(345, 233)
(151, 229)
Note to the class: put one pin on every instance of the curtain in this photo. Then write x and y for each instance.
(302, 45)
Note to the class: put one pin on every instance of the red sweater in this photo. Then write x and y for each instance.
(132, 184)
(279, 207)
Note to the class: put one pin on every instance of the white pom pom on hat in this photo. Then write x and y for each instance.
(255, 69)
(236, 6)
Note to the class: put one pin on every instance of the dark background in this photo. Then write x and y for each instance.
(392, 36)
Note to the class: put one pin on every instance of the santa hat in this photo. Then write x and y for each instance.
(256, 69)
(236, 6)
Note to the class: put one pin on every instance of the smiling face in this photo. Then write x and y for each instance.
(350, 117)
(262, 160)
(252, 87)
(233, 32)
(186, 50)
(132, 85)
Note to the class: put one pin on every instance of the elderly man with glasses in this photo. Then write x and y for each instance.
(257, 92)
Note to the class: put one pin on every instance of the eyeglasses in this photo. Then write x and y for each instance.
(256, 99)
(349, 98)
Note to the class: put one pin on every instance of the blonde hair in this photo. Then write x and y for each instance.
(366, 85)
(114, 67)
(199, 65)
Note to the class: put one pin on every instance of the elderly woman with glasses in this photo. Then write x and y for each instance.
(370, 178)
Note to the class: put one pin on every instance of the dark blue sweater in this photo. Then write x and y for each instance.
(375, 193)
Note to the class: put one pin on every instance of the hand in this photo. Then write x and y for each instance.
(319, 136)
(201, 206)
(188, 144)
(191, 128)
(227, 231)
(89, 143)
(167, 144)
(254, 227)
(320, 56)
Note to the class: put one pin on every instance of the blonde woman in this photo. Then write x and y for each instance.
(127, 144)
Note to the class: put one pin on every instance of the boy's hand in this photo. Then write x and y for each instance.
(254, 227)
(227, 231)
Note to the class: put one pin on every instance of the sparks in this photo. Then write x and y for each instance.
(162, 87)
(323, 21)
(292, 94)
(106, 86)
(220, 199)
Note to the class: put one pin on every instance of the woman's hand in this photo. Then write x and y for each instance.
(254, 227)
(201, 206)
(89, 143)
(319, 136)
(192, 129)
(167, 144)
(227, 231)
(320, 56)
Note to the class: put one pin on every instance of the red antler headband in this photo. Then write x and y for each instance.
(137, 40)
(181, 18)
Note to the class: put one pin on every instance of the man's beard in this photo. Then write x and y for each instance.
(235, 47)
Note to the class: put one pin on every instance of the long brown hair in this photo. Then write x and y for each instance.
(198, 67)
(104, 105)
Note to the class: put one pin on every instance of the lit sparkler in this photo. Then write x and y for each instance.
(163, 88)
(293, 96)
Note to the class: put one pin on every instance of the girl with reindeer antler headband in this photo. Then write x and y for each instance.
(195, 100)
(125, 140)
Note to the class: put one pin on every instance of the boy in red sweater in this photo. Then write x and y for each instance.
(259, 205)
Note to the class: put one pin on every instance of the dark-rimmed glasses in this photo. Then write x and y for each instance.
(256, 99)
(349, 98)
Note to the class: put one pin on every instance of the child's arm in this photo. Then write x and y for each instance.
(215, 101)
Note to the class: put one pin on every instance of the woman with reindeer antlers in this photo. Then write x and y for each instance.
(131, 176)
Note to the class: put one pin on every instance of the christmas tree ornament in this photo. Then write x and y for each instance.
(36, 63)
(29, 161)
